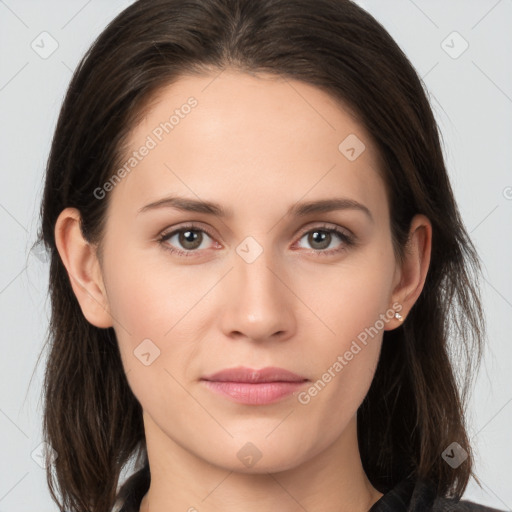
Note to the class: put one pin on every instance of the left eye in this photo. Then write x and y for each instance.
(191, 238)
(322, 238)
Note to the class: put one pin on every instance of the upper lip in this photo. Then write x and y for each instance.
(243, 374)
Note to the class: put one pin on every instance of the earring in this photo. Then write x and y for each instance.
(399, 317)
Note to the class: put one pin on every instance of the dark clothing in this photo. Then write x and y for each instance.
(417, 496)
(408, 496)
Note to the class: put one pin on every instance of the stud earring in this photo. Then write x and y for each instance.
(399, 317)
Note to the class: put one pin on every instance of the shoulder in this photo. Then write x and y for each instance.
(447, 504)
(418, 495)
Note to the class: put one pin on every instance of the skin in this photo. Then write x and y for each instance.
(256, 145)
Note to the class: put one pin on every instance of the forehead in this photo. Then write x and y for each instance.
(234, 136)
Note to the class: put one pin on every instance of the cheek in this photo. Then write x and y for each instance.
(149, 296)
(351, 295)
(151, 320)
(353, 306)
(156, 306)
(353, 302)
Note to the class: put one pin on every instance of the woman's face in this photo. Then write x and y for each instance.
(265, 284)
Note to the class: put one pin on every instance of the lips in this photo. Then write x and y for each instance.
(255, 387)
(252, 376)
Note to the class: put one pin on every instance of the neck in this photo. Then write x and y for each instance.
(332, 480)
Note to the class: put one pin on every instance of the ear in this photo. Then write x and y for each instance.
(412, 273)
(81, 262)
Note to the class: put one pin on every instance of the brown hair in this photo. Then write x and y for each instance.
(415, 407)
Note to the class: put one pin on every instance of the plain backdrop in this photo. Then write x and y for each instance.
(462, 49)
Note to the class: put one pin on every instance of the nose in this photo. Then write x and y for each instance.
(259, 304)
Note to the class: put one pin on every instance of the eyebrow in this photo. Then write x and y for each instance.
(297, 210)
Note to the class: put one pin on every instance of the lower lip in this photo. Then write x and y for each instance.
(254, 394)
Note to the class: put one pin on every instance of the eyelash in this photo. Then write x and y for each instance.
(347, 240)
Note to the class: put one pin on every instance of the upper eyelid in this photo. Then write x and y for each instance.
(194, 227)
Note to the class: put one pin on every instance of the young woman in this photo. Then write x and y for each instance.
(257, 264)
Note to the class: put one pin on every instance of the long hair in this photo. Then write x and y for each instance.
(415, 407)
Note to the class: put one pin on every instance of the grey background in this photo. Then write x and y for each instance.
(471, 94)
